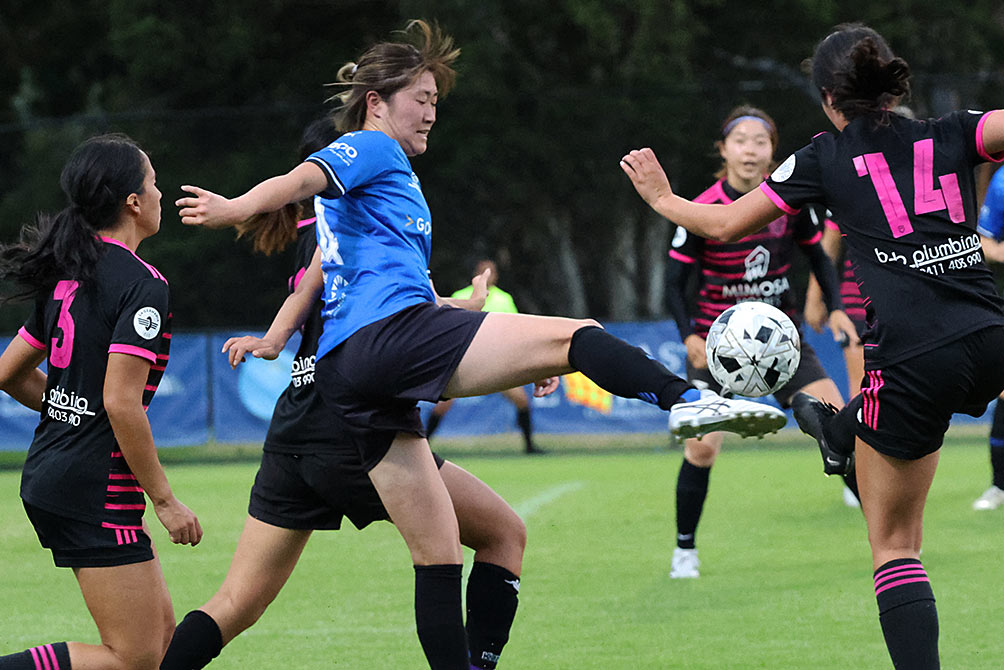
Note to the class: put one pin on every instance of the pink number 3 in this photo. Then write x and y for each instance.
(926, 197)
(60, 352)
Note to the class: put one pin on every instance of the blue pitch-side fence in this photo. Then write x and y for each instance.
(201, 398)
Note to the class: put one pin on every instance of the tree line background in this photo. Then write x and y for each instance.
(522, 164)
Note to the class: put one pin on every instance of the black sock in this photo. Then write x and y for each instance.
(997, 445)
(197, 641)
(691, 490)
(523, 421)
(433, 424)
(908, 614)
(492, 597)
(53, 656)
(439, 616)
(623, 369)
(840, 428)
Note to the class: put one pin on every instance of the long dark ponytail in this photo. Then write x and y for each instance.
(97, 178)
(855, 65)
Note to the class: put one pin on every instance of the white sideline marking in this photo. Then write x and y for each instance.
(529, 507)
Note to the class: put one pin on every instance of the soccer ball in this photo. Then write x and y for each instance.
(753, 349)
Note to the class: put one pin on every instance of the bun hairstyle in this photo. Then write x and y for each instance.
(387, 67)
(97, 178)
(855, 65)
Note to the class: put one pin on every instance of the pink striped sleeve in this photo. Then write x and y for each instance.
(677, 256)
(133, 351)
(980, 147)
(30, 339)
(776, 199)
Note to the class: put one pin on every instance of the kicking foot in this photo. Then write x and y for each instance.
(534, 449)
(713, 413)
(685, 564)
(810, 414)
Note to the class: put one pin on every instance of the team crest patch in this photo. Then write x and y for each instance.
(785, 169)
(146, 322)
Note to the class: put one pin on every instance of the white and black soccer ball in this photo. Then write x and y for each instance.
(753, 349)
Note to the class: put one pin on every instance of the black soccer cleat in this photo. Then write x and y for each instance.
(811, 413)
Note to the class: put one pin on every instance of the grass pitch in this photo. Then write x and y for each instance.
(785, 576)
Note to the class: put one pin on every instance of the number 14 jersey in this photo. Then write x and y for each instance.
(905, 197)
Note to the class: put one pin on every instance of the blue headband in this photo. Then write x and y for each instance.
(739, 119)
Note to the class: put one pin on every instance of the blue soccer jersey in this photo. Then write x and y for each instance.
(374, 229)
(991, 222)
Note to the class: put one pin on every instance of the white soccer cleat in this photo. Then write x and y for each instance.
(992, 498)
(685, 564)
(714, 413)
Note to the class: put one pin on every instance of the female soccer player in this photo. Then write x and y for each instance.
(754, 268)
(387, 342)
(903, 192)
(310, 477)
(102, 321)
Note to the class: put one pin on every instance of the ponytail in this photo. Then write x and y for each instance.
(97, 178)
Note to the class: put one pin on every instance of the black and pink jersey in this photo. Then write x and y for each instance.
(300, 422)
(74, 466)
(754, 268)
(850, 292)
(905, 198)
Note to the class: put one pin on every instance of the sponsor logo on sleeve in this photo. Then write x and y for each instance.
(146, 322)
(784, 170)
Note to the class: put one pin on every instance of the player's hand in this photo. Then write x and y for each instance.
(697, 352)
(647, 175)
(206, 209)
(237, 347)
(545, 387)
(181, 523)
(843, 329)
(815, 315)
(480, 292)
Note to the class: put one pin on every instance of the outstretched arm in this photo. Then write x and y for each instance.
(214, 211)
(726, 223)
(478, 295)
(291, 316)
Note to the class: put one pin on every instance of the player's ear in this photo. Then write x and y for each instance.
(132, 203)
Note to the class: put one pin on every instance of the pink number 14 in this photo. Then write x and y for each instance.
(60, 352)
(926, 197)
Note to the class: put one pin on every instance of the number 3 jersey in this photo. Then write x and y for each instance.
(905, 198)
(75, 467)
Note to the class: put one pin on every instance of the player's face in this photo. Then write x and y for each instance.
(149, 201)
(747, 152)
(411, 112)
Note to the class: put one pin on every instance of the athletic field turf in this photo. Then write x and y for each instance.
(786, 572)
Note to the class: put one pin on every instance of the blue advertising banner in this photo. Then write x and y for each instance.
(243, 399)
(201, 398)
(179, 413)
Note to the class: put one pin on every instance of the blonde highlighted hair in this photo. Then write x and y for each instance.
(388, 67)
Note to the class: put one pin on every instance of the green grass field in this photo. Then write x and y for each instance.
(786, 571)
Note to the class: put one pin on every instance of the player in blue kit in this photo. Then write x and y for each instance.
(903, 192)
(310, 478)
(389, 341)
(991, 228)
(102, 321)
